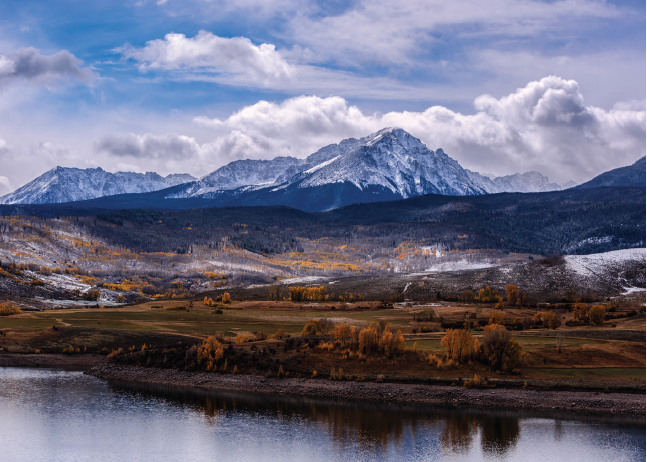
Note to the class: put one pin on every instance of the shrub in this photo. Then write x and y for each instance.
(596, 315)
(439, 362)
(176, 308)
(9, 308)
(242, 339)
(548, 319)
(92, 295)
(496, 317)
(581, 312)
(327, 346)
(317, 327)
(500, 350)
(279, 334)
(226, 298)
(114, 353)
(476, 382)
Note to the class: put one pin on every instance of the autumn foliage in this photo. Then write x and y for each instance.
(460, 345)
(378, 339)
(310, 294)
(317, 327)
(9, 308)
(209, 353)
(596, 314)
(548, 319)
(500, 349)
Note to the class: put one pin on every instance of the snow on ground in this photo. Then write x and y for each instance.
(63, 282)
(461, 265)
(633, 290)
(304, 280)
(598, 263)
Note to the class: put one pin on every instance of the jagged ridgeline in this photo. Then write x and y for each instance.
(570, 222)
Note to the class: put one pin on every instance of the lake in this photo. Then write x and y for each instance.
(57, 415)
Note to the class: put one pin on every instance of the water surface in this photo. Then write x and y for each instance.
(67, 416)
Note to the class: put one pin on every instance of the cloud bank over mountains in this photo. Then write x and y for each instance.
(544, 126)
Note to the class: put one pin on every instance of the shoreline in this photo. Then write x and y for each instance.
(573, 403)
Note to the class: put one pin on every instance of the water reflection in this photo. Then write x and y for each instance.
(372, 427)
(71, 416)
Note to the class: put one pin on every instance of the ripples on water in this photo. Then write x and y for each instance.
(57, 415)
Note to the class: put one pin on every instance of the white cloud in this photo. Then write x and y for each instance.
(384, 32)
(295, 127)
(29, 64)
(543, 126)
(237, 57)
(5, 186)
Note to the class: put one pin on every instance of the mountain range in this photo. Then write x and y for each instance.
(62, 184)
(387, 165)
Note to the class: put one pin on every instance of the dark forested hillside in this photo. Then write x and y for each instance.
(631, 175)
(573, 221)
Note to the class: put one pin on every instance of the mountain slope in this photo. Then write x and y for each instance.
(73, 184)
(632, 175)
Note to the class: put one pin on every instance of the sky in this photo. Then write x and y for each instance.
(186, 86)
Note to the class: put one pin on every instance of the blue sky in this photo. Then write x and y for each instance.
(187, 86)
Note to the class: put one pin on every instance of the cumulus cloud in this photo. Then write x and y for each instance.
(543, 126)
(29, 64)
(236, 56)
